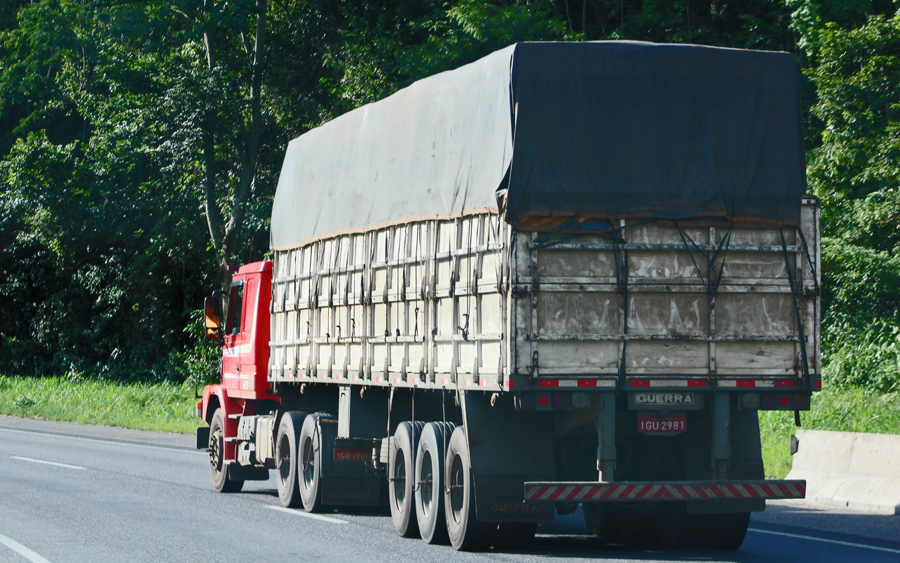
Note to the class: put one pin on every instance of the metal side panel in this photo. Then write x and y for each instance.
(714, 301)
(419, 304)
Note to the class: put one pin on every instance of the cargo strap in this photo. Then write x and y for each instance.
(804, 360)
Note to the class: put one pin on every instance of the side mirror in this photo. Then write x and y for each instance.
(212, 317)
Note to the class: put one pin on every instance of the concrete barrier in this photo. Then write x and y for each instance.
(855, 470)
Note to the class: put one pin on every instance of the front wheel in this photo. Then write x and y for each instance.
(218, 470)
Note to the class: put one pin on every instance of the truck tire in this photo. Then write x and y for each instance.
(218, 470)
(287, 460)
(595, 519)
(465, 531)
(401, 470)
(727, 531)
(309, 468)
(514, 536)
(669, 524)
(429, 482)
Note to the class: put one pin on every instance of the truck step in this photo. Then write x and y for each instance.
(663, 491)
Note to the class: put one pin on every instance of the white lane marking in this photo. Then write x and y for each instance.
(113, 442)
(824, 540)
(307, 514)
(32, 460)
(22, 550)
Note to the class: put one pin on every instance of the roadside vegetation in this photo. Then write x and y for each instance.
(839, 410)
(163, 407)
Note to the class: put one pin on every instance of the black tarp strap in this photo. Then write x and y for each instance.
(687, 246)
(787, 266)
(711, 283)
(722, 248)
(809, 261)
(622, 285)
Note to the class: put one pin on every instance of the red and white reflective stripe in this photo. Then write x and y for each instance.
(668, 383)
(664, 491)
(765, 383)
(576, 383)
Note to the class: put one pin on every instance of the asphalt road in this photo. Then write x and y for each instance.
(73, 493)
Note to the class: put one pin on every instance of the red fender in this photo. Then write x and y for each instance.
(229, 406)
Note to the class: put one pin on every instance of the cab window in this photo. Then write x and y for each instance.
(235, 308)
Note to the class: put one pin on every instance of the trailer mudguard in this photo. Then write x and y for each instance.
(507, 448)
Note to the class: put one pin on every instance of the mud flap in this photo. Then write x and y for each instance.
(351, 491)
(503, 442)
(348, 476)
(498, 498)
(247, 472)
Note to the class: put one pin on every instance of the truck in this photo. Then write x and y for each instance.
(566, 274)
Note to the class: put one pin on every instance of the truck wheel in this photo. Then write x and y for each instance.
(400, 476)
(429, 482)
(217, 468)
(669, 524)
(514, 536)
(286, 459)
(465, 531)
(310, 464)
(595, 519)
(727, 531)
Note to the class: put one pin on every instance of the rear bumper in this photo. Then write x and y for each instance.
(663, 491)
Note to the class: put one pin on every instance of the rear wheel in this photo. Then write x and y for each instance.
(727, 531)
(465, 531)
(668, 524)
(400, 476)
(514, 536)
(310, 464)
(429, 482)
(286, 459)
(595, 519)
(218, 470)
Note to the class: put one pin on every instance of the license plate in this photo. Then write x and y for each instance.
(342, 454)
(653, 424)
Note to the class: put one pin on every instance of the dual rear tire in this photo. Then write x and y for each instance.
(429, 489)
(432, 493)
(298, 462)
(401, 478)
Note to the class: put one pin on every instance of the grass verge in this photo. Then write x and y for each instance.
(840, 410)
(163, 407)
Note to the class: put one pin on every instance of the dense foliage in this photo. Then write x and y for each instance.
(140, 142)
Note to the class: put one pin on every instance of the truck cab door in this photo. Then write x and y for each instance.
(236, 336)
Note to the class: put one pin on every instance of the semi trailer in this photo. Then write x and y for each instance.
(565, 274)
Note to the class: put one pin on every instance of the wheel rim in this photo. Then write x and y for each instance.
(309, 463)
(456, 488)
(426, 484)
(284, 459)
(399, 480)
(215, 452)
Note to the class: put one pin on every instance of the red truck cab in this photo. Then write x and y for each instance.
(245, 357)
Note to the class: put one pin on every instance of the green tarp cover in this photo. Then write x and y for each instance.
(603, 130)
